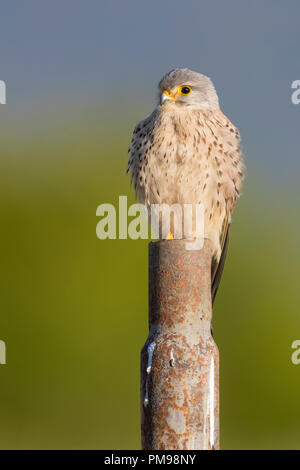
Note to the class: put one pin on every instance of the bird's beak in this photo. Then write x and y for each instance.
(166, 96)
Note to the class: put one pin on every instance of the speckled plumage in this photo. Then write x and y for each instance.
(188, 152)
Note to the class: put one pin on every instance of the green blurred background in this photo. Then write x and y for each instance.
(73, 307)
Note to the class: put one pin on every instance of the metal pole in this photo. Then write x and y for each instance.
(180, 360)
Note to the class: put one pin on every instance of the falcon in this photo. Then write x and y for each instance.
(188, 152)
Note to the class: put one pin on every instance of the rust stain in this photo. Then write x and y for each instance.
(178, 414)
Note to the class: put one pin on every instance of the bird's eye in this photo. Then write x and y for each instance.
(184, 90)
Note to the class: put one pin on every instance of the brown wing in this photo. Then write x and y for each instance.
(217, 267)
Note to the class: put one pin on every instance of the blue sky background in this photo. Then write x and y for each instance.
(107, 52)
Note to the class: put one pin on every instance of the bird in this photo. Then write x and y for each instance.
(188, 152)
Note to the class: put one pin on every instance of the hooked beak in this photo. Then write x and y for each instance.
(166, 96)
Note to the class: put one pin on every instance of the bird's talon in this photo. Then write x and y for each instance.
(170, 236)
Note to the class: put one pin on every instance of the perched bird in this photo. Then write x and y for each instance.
(188, 152)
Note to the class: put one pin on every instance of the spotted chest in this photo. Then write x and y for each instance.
(187, 158)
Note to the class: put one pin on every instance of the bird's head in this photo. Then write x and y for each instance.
(183, 87)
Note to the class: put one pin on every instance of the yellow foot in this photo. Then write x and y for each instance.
(170, 236)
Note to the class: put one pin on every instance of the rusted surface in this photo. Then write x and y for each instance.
(180, 360)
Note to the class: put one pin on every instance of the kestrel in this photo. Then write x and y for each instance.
(188, 152)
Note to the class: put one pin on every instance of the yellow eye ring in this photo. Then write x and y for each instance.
(184, 90)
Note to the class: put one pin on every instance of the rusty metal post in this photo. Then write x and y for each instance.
(180, 360)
